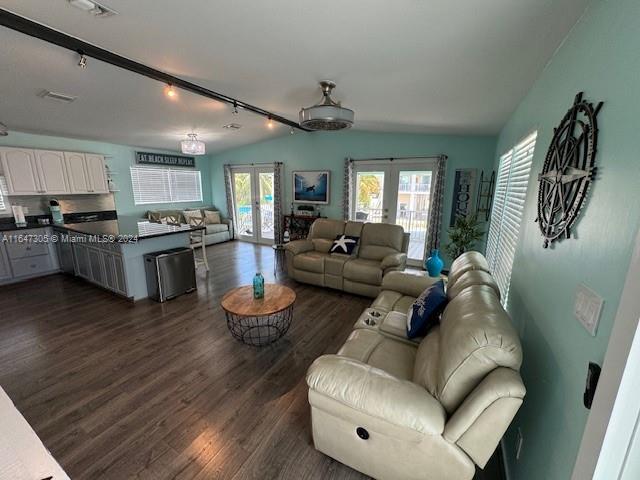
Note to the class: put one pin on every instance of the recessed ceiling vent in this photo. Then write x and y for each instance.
(328, 114)
(60, 97)
(96, 9)
(232, 126)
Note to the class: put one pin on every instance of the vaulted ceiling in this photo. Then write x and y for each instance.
(432, 66)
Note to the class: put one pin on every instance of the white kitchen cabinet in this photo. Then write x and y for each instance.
(5, 268)
(76, 164)
(20, 171)
(96, 173)
(114, 278)
(95, 262)
(81, 257)
(52, 172)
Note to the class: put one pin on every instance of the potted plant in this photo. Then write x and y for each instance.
(463, 235)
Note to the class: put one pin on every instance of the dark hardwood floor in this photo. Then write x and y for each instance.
(155, 391)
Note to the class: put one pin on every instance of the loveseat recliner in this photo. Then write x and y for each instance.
(382, 248)
(421, 409)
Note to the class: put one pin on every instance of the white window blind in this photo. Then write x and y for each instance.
(3, 193)
(165, 185)
(506, 213)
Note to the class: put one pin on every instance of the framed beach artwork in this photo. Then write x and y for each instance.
(311, 186)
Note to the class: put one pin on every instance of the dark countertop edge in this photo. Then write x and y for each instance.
(9, 227)
(122, 238)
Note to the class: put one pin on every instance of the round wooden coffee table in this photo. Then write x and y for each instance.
(259, 322)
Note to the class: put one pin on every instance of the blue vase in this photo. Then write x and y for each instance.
(434, 264)
(258, 286)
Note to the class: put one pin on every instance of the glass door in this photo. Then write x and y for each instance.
(253, 198)
(412, 209)
(371, 204)
(243, 200)
(395, 192)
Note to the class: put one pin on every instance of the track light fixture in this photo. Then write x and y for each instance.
(235, 108)
(270, 123)
(82, 63)
(170, 91)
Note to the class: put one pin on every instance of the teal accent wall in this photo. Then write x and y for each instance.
(327, 151)
(121, 157)
(599, 57)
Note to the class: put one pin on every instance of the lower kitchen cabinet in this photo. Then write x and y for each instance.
(26, 254)
(103, 266)
(5, 268)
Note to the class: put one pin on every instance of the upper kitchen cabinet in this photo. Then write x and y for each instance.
(97, 173)
(20, 171)
(52, 172)
(86, 172)
(77, 170)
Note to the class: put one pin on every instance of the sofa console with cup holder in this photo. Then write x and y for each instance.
(429, 408)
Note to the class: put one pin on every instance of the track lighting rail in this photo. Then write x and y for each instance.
(38, 30)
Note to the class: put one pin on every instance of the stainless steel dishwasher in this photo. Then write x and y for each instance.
(170, 273)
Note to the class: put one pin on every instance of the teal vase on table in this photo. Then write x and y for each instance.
(434, 263)
(258, 286)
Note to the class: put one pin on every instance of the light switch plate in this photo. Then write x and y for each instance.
(587, 308)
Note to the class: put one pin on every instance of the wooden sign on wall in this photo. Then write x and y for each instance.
(464, 188)
(148, 158)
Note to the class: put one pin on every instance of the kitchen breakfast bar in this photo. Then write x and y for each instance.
(108, 253)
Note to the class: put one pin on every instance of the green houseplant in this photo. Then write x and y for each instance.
(463, 235)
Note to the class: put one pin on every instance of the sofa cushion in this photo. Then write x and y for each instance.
(476, 336)
(379, 240)
(193, 217)
(425, 311)
(370, 347)
(334, 264)
(211, 217)
(310, 262)
(425, 371)
(345, 244)
(326, 228)
(216, 228)
(469, 279)
(363, 271)
(467, 261)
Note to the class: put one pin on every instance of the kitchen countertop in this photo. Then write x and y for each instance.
(124, 229)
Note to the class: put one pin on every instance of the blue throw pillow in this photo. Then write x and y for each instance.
(344, 244)
(425, 311)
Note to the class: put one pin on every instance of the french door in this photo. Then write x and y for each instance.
(253, 200)
(397, 192)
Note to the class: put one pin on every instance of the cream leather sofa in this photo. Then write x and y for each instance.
(382, 248)
(428, 409)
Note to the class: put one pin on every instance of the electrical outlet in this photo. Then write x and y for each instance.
(519, 441)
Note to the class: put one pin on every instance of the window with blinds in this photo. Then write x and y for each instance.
(506, 214)
(3, 194)
(165, 185)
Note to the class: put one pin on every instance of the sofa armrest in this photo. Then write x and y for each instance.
(480, 422)
(394, 261)
(299, 246)
(376, 393)
(407, 283)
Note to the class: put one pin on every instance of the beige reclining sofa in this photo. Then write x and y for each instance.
(426, 409)
(382, 248)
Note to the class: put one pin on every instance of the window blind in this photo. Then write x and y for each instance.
(506, 213)
(3, 193)
(165, 185)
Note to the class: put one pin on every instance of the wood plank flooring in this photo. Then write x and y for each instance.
(162, 391)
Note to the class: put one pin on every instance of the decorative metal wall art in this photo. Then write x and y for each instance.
(568, 171)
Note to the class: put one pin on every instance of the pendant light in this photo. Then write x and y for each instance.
(192, 145)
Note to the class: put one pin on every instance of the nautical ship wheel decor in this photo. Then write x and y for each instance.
(568, 171)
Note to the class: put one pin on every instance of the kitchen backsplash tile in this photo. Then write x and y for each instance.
(39, 205)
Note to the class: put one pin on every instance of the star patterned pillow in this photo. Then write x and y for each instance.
(344, 244)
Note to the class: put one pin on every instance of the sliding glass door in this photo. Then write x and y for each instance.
(253, 199)
(396, 192)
